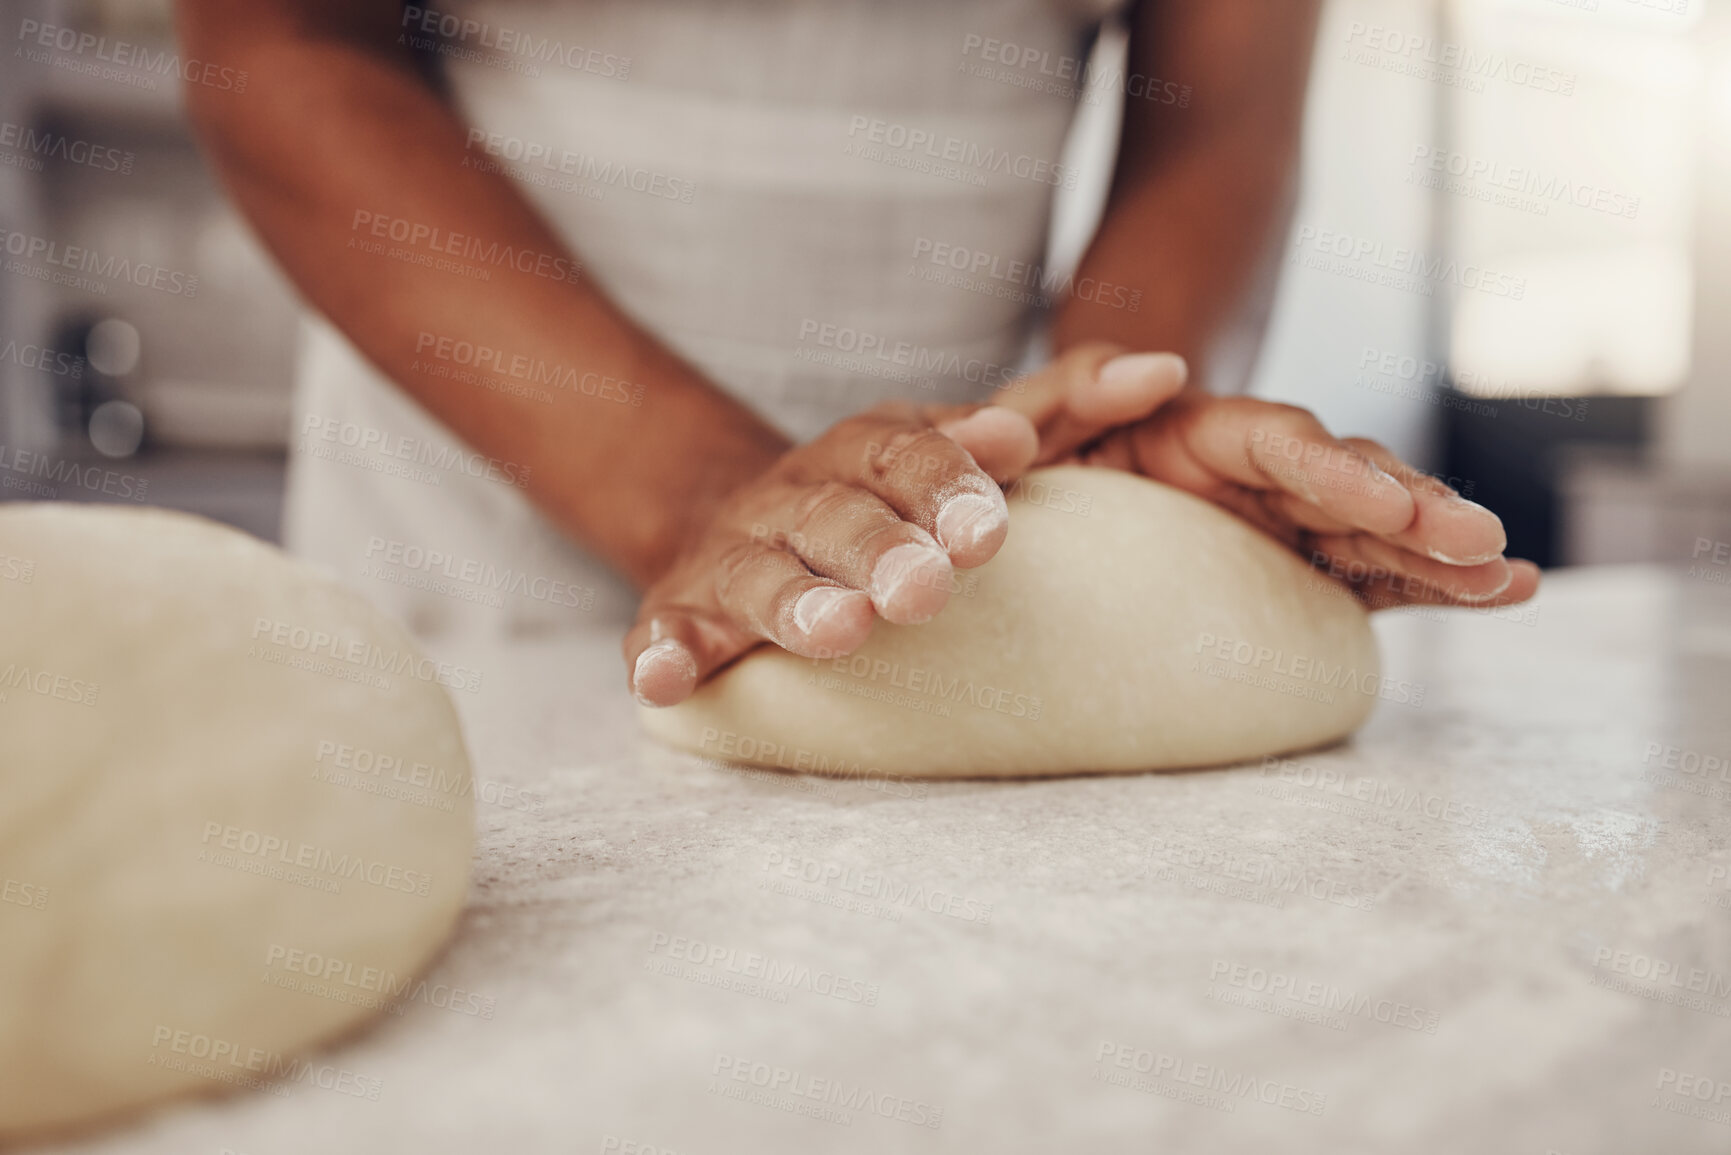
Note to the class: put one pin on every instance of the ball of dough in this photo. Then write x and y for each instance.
(1125, 625)
(236, 818)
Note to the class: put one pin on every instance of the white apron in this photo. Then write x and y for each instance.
(780, 190)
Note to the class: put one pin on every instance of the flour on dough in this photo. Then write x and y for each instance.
(1124, 626)
(236, 820)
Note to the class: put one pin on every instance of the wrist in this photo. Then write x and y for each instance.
(695, 487)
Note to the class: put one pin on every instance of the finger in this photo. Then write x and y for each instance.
(846, 534)
(1002, 442)
(1269, 446)
(1091, 389)
(770, 594)
(1445, 525)
(671, 649)
(931, 481)
(1384, 596)
(1380, 569)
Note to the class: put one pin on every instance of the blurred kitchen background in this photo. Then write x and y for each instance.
(1593, 414)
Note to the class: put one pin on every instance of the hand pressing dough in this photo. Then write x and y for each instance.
(236, 818)
(1125, 625)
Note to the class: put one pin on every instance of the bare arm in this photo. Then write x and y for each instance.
(736, 537)
(1197, 198)
(1199, 190)
(335, 132)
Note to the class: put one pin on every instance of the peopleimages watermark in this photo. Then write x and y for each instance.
(522, 367)
(924, 150)
(1252, 877)
(1421, 379)
(1718, 891)
(501, 46)
(1423, 57)
(17, 569)
(1681, 768)
(871, 885)
(1311, 464)
(1288, 996)
(1215, 1086)
(36, 474)
(34, 146)
(749, 972)
(819, 551)
(397, 454)
(1408, 593)
(1520, 187)
(48, 684)
(303, 647)
(1297, 675)
(1710, 561)
(1361, 796)
(341, 980)
(828, 1100)
(225, 1061)
(1366, 259)
(1381, 587)
(1693, 988)
(543, 164)
(746, 748)
(1024, 282)
(613, 1143)
(255, 852)
(435, 247)
(919, 688)
(1684, 1093)
(467, 578)
(392, 776)
(876, 355)
(63, 264)
(817, 785)
(25, 894)
(89, 54)
(1073, 77)
(54, 362)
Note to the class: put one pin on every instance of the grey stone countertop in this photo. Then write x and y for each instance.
(1498, 920)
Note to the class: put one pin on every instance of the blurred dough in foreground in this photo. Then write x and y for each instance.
(236, 820)
(1125, 625)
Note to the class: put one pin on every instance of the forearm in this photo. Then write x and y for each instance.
(1200, 193)
(337, 136)
(1186, 246)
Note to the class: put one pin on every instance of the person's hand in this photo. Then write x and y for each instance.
(1392, 534)
(867, 521)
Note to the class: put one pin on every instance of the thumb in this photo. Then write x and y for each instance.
(1090, 389)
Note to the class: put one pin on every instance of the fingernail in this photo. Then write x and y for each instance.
(1508, 578)
(967, 518)
(1461, 507)
(816, 605)
(1382, 476)
(1477, 559)
(665, 659)
(902, 567)
(1132, 369)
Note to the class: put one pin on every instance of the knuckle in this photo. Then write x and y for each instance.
(733, 566)
(913, 454)
(819, 507)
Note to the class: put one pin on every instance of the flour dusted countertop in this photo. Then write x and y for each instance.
(1498, 920)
